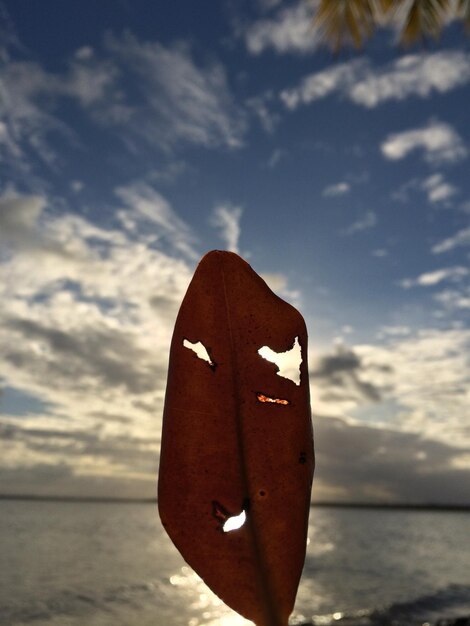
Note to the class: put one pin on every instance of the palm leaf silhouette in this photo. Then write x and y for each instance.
(341, 22)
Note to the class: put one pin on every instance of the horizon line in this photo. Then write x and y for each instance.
(425, 506)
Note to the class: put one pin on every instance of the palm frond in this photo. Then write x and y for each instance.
(419, 19)
(463, 12)
(424, 18)
(341, 22)
(346, 22)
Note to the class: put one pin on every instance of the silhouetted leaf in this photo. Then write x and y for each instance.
(237, 440)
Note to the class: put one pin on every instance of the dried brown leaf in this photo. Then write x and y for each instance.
(237, 437)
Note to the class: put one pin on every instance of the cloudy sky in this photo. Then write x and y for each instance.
(136, 136)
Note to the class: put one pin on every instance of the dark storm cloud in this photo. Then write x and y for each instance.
(343, 361)
(372, 463)
(342, 374)
(109, 355)
(59, 479)
(353, 462)
(139, 453)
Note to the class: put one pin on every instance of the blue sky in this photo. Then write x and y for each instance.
(135, 137)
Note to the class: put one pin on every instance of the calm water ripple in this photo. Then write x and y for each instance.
(70, 564)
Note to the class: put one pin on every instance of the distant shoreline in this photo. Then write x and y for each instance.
(340, 505)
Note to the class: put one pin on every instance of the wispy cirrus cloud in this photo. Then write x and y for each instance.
(173, 100)
(454, 300)
(429, 279)
(439, 142)
(461, 238)
(146, 206)
(365, 222)
(438, 189)
(336, 189)
(322, 84)
(28, 118)
(414, 75)
(226, 218)
(262, 108)
(290, 30)
(176, 99)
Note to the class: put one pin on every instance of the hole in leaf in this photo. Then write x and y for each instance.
(235, 522)
(262, 398)
(288, 362)
(200, 349)
(227, 521)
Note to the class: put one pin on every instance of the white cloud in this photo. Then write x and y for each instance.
(89, 81)
(289, 31)
(150, 207)
(394, 331)
(91, 309)
(18, 217)
(429, 279)
(30, 94)
(461, 238)
(24, 123)
(454, 299)
(267, 5)
(380, 253)
(96, 318)
(262, 108)
(367, 221)
(439, 141)
(176, 99)
(84, 53)
(76, 186)
(277, 155)
(337, 189)
(438, 189)
(30, 123)
(411, 75)
(426, 377)
(322, 84)
(226, 218)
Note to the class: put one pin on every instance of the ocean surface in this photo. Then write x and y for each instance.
(111, 564)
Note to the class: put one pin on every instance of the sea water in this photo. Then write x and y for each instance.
(111, 564)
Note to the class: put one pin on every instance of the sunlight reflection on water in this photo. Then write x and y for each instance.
(211, 608)
(66, 564)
